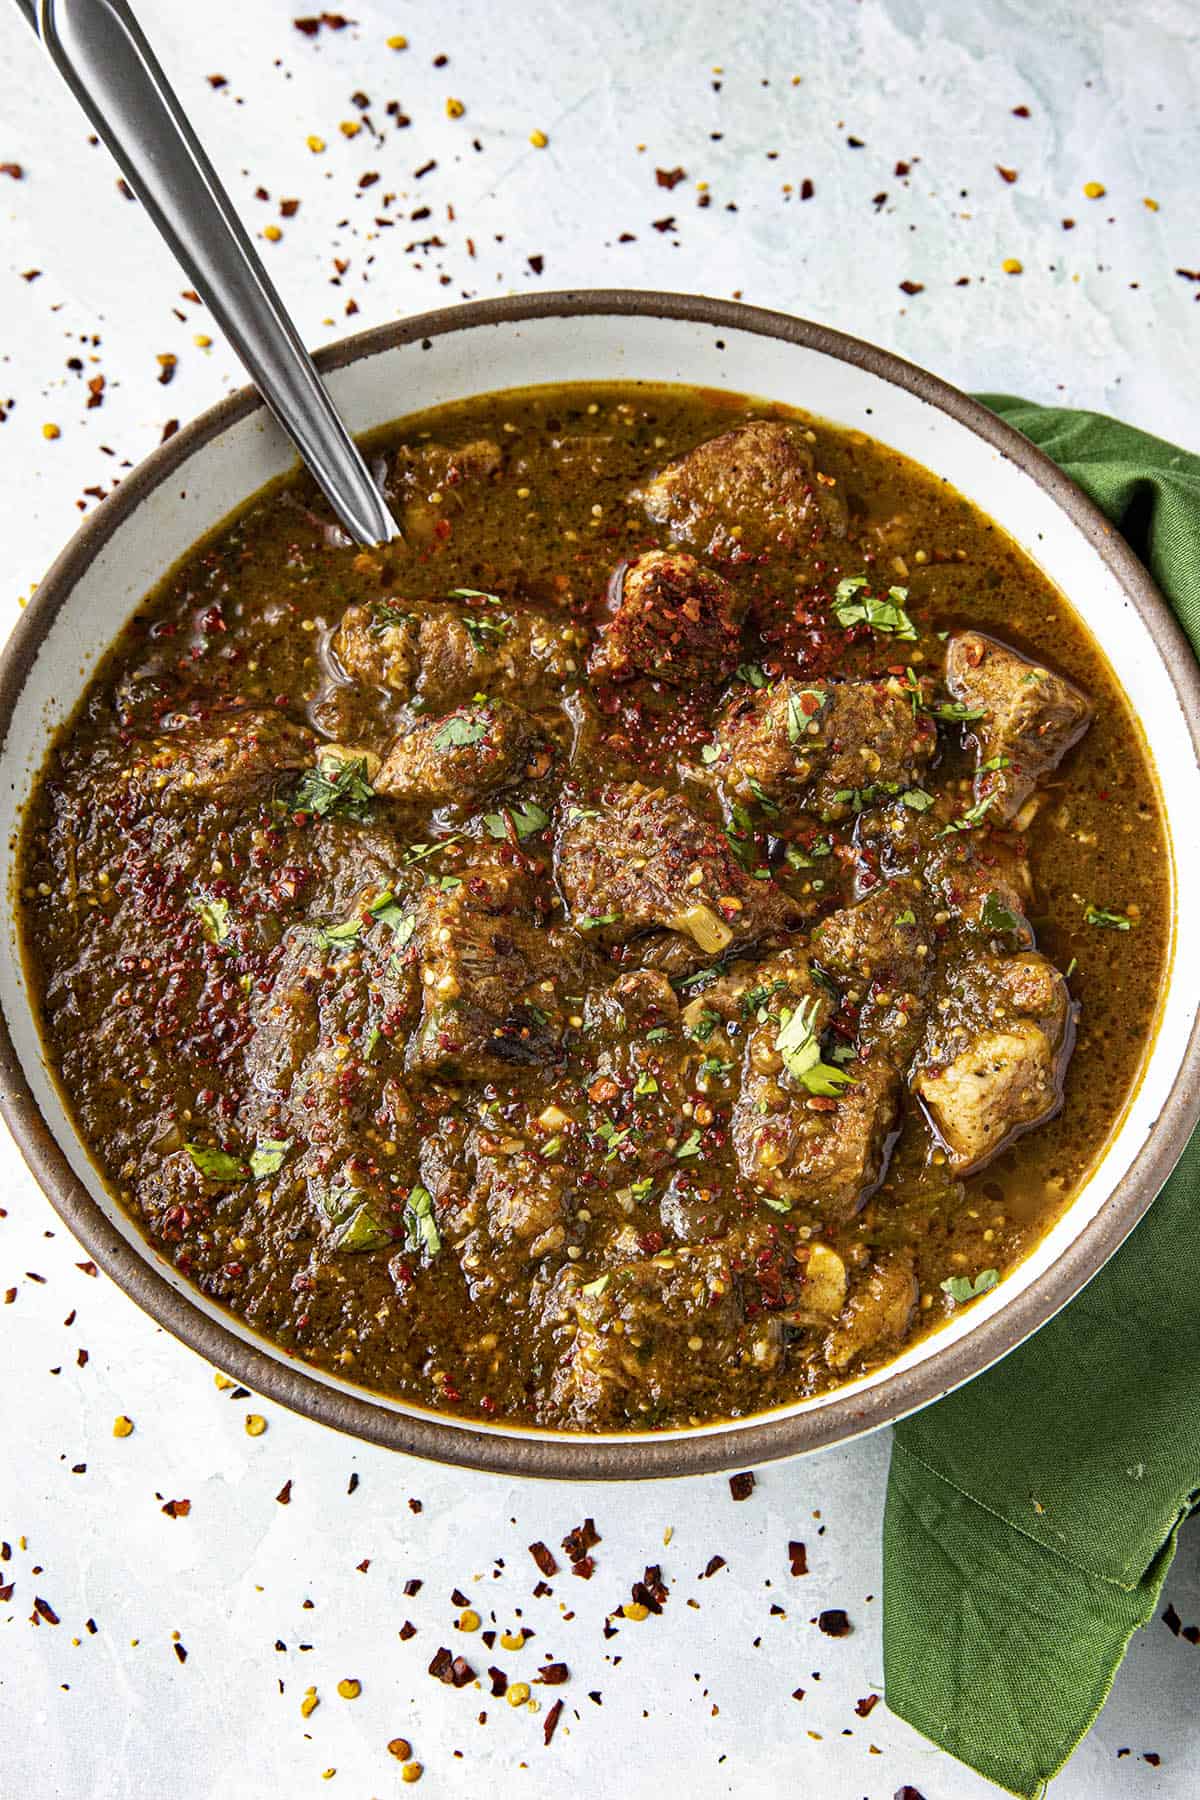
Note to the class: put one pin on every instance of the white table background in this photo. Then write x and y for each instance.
(1099, 317)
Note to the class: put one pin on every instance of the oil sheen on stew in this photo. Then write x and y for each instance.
(639, 951)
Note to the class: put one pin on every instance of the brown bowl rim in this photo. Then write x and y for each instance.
(569, 1456)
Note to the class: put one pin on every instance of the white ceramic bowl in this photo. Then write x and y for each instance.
(210, 468)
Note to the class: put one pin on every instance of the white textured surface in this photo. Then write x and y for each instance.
(1097, 318)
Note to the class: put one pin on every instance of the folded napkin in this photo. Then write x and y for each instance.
(1031, 1516)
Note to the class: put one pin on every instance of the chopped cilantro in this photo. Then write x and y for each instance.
(527, 817)
(907, 917)
(551, 1147)
(796, 1041)
(267, 1156)
(485, 634)
(961, 1287)
(473, 594)
(213, 916)
(955, 713)
(645, 1084)
(779, 1206)
(420, 1227)
(710, 753)
(639, 1189)
(716, 1066)
(658, 1033)
(971, 818)
(995, 916)
(589, 921)
(881, 615)
(690, 1146)
(459, 732)
(1111, 921)
(761, 795)
(344, 794)
(595, 1288)
(752, 673)
(217, 1165)
(917, 799)
(444, 884)
(418, 852)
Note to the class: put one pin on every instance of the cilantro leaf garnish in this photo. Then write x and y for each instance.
(345, 794)
(217, 1165)
(961, 1287)
(459, 732)
(1110, 920)
(995, 916)
(213, 916)
(971, 818)
(267, 1156)
(420, 1227)
(796, 1041)
(527, 817)
(887, 615)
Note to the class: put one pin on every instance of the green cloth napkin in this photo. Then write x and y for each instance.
(1032, 1516)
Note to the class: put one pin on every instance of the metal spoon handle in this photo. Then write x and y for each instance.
(98, 48)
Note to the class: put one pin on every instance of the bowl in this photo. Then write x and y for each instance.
(189, 485)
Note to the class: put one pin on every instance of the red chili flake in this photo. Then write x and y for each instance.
(797, 1693)
(31, 274)
(10, 1295)
(284, 1496)
(544, 1558)
(1020, 112)
(853, 143)
(902, 168)
(585, 1568)
(667, 224)
(412, 1586)
(88, 1268)
(407, 1630)
(168, 431)
(669, 178)
(908, 1793)
(1191, 1633)
(364, 1565)
(866, 1705)
(555, 1714)
(578, 1542)
(461, 1672)
(6, 1592)
(912, 287)
(458, 1597)
(125, 188)
(1171, 1620)
(711, 1566)
(1188, 274)
(332, 21)
(425, 169)
(218, 81)
(537, 263)
(442, 1666)
(807, 190)
(542, 1589)
(1152, 1757)
(415, 1506)
(552, 1673)
(14, 170)
(742, 1486)
(368, 178)
(180, 1652)
(45, 1609)
(834, 1623)
(798, 1557)
(177, 1509)
(499, 1683)
(288, 209)
(1009, 175)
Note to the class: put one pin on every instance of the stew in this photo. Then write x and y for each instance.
(640, 950)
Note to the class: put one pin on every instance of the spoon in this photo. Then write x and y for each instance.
(100, 51)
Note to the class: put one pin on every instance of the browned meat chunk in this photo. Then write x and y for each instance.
(752, 488)
(224, 755)
(494, 982)
(827, 1150)
(646, 861)
(431, 482)
(883, 953)
(441, 652)
(832, 749)
(676, 620)
(625, 1331)
(982, 880)
(1031, 717)
(995, 1052)
(878, 1314)
(457, 761)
